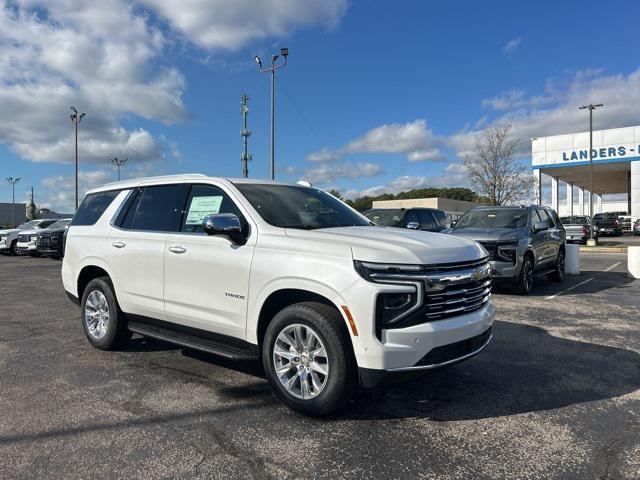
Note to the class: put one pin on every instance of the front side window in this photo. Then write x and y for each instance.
(158, 209)
(205, 200)
(493, 218)
(290, 206)
(93, 206)
(544, 217)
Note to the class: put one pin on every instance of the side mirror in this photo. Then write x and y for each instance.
(540, 226)
(224, 224)
(413, 225)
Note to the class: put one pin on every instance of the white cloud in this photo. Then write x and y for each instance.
(512, 45)
(330, 172)
(94, 55)
(58, 191)
(232, 24)
(412, 139)
(556, 112)
(323, 155)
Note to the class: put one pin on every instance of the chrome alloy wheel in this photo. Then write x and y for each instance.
(96, 314)
(300, 361)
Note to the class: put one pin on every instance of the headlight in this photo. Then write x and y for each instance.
(507, 250)
(391, 307)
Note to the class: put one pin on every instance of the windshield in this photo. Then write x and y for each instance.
(26, 225)
(570, 220)
(387, 217)
(290, 206)
(493, 218)
(60, 224)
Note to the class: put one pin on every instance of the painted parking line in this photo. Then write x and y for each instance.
(608, 269)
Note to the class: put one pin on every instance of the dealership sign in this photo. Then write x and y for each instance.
(614, 145)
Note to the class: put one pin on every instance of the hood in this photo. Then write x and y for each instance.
(488, 234)
(396, 245)
(31, 231)
(9, 231)
(52, 230)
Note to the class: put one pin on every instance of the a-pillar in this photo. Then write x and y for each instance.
(554, 193)
(580, 201)
(537, 185)
(570, 199)
(634, 190)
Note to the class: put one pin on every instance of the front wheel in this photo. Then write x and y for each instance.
(307, 358)
(525, 279)
(558, 273)
(103, 322)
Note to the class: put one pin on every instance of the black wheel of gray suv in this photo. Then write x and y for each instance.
(558, 274)
(308, 359)
(103, 322)
(525, 279)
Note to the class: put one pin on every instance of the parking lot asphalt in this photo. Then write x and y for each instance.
(555, 395)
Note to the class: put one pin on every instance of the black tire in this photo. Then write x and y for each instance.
(558, 274)
(117, 335)
(13, 250)
(327, 323)
(525, 279)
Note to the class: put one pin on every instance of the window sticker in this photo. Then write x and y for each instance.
(201, 207)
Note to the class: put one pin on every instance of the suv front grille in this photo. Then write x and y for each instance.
(457, 299)
(24, 238)
(453, 351)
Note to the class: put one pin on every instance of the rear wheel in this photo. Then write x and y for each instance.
(103, 322)
(558, 274)
(308, 360)
(525, 279)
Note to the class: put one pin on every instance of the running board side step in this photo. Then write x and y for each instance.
(188, 340)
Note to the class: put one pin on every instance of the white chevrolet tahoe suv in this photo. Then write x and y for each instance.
(287, 274)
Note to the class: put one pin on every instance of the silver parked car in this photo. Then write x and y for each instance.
(522, 242)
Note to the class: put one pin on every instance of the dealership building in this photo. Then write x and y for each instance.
(616, 170)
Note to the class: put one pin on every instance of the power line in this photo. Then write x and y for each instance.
(300, 113)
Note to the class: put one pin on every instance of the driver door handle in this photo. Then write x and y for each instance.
(177, 249)
(118, 244)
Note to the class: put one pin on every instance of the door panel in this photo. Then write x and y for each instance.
(136, 260)
(207, 277)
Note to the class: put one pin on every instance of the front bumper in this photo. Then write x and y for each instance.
(24, 247)
(408, 348)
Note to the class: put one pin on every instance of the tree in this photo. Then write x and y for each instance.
(32, 210)
(493, 170)
(335, 193)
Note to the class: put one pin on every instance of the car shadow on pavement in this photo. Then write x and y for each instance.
(143, 344)
(524, 369)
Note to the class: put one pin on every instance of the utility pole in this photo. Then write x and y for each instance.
(272, 69)
(13, 182)
(119, 163)
(76, 119)
(591, 107)
(245, 133)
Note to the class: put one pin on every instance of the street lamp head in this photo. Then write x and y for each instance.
(259, 61)
(284, 52)
(274, 58)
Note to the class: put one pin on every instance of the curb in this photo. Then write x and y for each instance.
(603, 249)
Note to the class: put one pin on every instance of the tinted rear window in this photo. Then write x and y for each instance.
(159, 209)
(93, 206)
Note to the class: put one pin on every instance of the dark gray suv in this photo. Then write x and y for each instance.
(522, 242)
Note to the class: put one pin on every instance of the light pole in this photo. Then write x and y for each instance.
(13, 182)
(591, 108)
(119, 163)
(76, 119)
(272, 69)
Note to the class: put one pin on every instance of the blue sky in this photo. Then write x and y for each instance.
(377, 96)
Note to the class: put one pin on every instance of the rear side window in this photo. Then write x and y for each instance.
(159, 209)
(440, 216)
(93, 206)
(411, 217)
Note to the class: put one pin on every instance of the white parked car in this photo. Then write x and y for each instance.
(287, 274)
(9, 237)
(26, 239)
